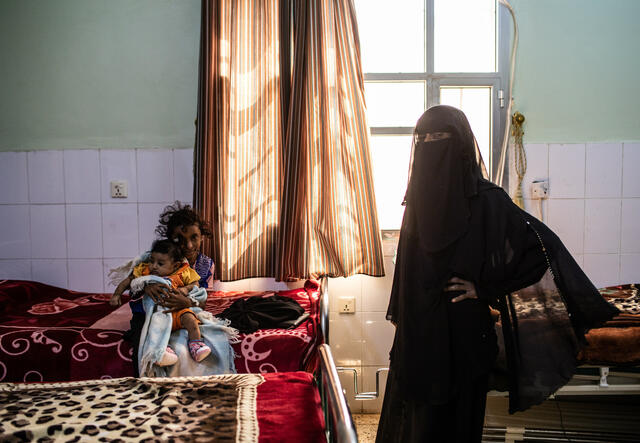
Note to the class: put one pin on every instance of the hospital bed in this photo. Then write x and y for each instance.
(62, 340)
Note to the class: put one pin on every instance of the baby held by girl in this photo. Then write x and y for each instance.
(167, 264)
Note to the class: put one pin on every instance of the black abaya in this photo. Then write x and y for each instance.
(443, 352)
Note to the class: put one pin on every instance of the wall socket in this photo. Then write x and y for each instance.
(539, 189)
(347, 305)
(119, 189)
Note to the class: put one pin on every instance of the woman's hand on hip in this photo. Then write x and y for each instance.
(458, 284)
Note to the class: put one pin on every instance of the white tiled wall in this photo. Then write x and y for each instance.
(593, 205)
(60, 226)
(362, 340)
(59, 222)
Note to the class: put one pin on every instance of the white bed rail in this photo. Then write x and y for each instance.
(608, 382)
(324, 308)
(339, 423)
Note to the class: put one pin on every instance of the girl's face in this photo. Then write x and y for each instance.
(162, 265)
(189, 238)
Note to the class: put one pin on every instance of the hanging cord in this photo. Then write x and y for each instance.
(539, 208)
(505, 142)
(564, 431)
(553, 275)
(519, 157)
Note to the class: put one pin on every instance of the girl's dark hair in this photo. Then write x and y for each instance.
(168, 247)
(177, 215)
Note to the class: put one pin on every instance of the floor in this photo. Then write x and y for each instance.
(574, 419)
(578, 418)
(366, 425)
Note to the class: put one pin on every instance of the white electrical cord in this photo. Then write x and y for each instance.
(507, 127)
(539, 191)
(540, 215)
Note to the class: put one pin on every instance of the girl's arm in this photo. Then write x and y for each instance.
(176, 301)
(184, 290)
(116, 298)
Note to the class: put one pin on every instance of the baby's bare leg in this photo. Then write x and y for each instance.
(190, 323)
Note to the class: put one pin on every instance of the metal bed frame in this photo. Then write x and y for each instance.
(338, 421)
(609, 381)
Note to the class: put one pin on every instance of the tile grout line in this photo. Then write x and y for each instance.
(100, 190)
(29, 216)
(64, 210)
(173, 173)
(621, 212)
(136, 152)
(584, 208)
(548, 176)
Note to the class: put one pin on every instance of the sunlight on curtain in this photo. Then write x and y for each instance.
(283, 168)
(241, 155)
(330, 210)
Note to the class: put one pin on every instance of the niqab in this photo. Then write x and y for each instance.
(447, 165)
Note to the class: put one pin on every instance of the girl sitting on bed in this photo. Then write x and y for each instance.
(182, 225)
(166, 261)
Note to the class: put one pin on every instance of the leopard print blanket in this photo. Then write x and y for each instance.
(212, 408)
(624, 297)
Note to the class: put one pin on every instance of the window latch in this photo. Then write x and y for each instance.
(501, 98)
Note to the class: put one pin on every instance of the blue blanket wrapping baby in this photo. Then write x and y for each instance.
(156, 335)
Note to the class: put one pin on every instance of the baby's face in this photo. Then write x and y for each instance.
(161, 264)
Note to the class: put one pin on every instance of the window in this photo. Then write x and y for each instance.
(418, 53)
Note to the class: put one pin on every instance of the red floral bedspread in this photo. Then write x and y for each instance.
(50, 334)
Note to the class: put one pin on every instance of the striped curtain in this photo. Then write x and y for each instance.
(282, 164)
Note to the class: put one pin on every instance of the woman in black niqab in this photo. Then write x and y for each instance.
(463, 247)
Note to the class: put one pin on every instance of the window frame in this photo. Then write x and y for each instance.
(497, 81)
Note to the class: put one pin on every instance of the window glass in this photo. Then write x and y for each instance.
(391, 35)
(390, 158)
(394, 48)
(394, 103)
(464, 36)
(475, 102)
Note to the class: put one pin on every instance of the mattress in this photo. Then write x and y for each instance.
(617, 342)
(53, 334)
(283, 407)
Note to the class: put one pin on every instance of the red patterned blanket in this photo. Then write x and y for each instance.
(53, 334)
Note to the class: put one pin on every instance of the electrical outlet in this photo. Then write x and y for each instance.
(347, 305)
(119, 189)
(539, 189)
